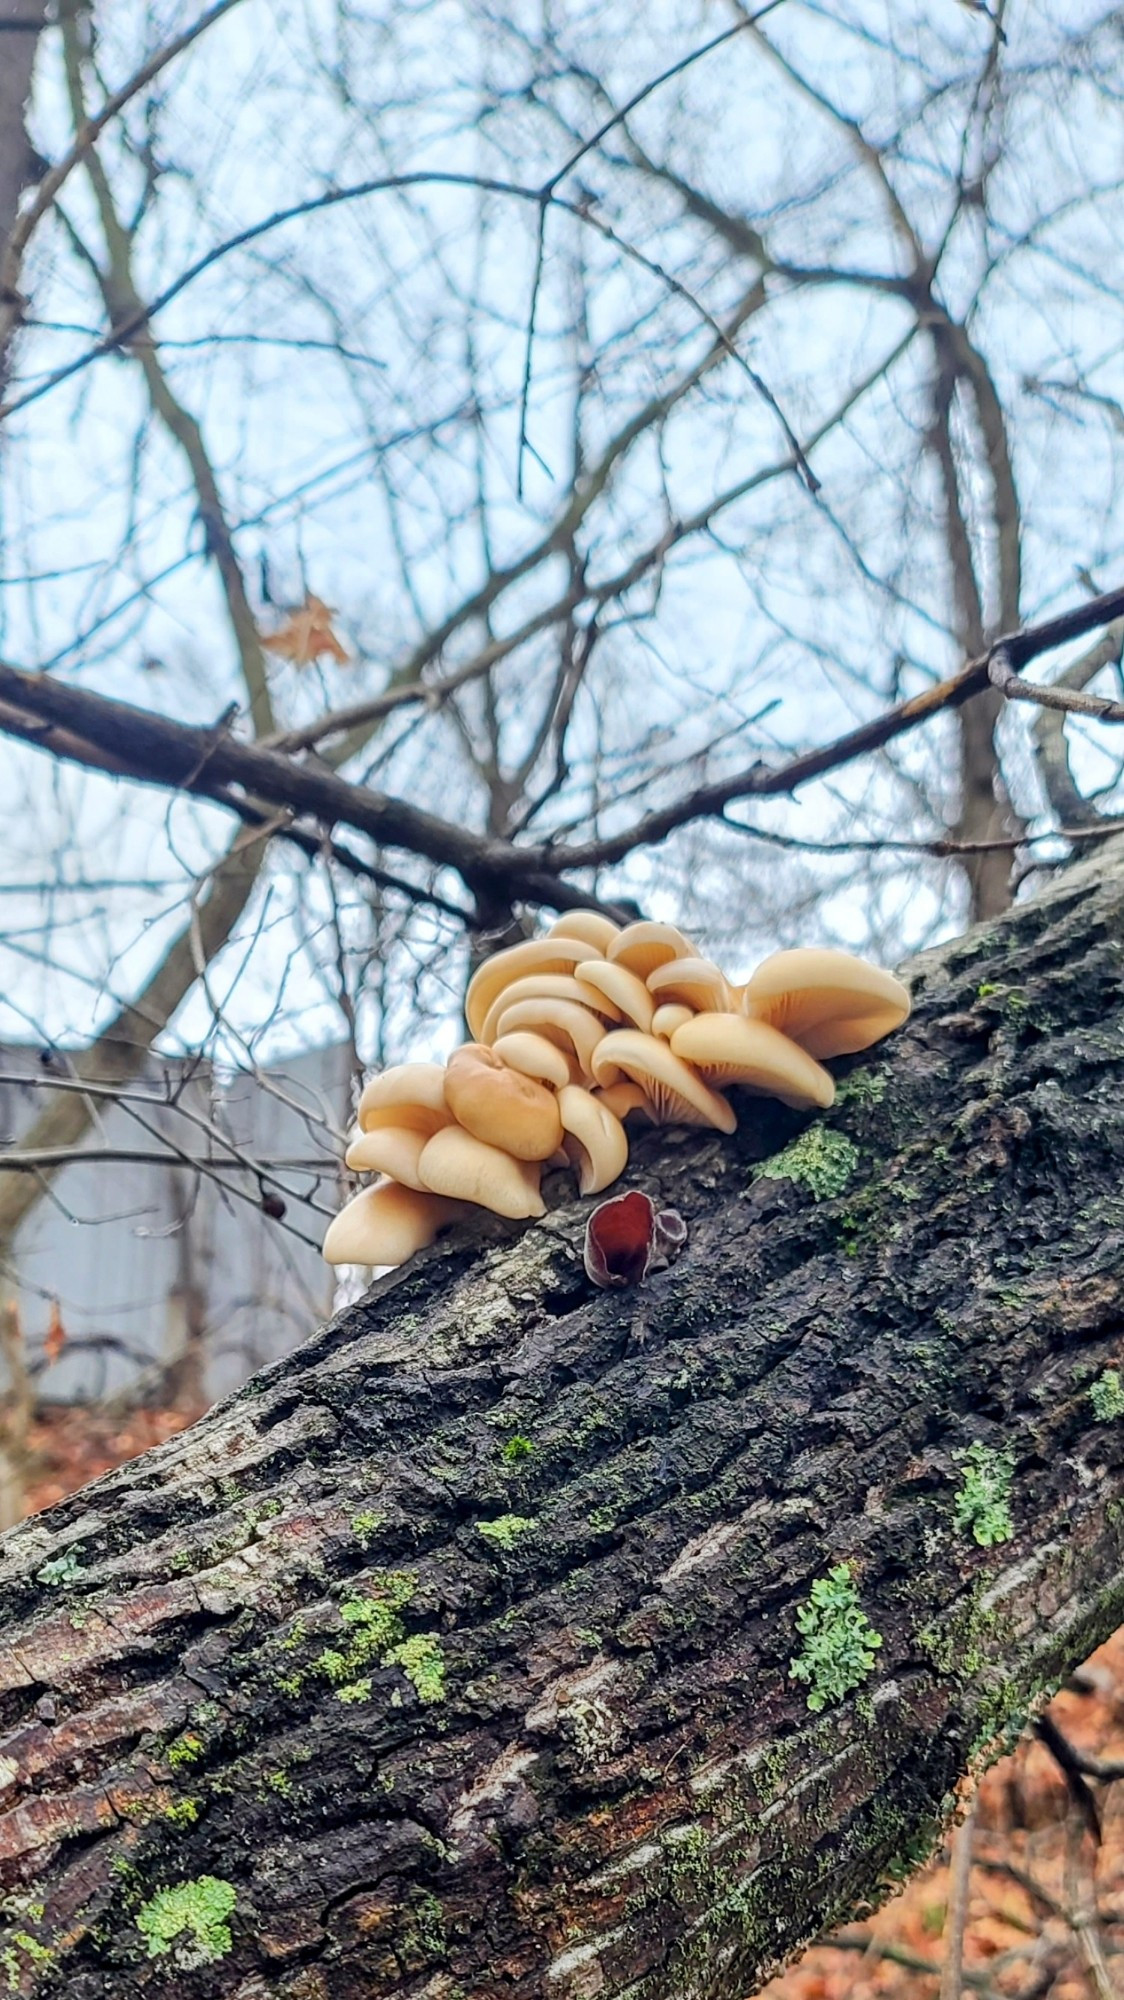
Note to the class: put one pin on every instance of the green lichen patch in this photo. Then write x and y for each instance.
(365, 1525)
(182, 1812)
(375, 1625)
(187, 1749)
(423, 1664)
(504, 1532)
(189, 1921)
(1106, 1395)
(355, 1690)
(840, 1642)
(425, 1928)
(377, 1638)
(982, 1504)
(19, 1952)
(60, 1571)
(864, 1086)
(820, 1160)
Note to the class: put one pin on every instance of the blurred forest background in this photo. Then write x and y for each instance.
(560, 436)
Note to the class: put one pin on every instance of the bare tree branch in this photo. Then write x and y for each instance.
(206, 761)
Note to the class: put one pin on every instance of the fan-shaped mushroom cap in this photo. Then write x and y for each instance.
(389, 1149)
(410, 1094)
(533, 1055)
(726, 1048)
(501, 1106)
(670, 1016)
(622, 1098)
(642, 946)
(546, 986)
(547, 954)
(588, 926)
(615, 985)
(677, 1092)
(595, 1140)
(456, 1164)
(386, 1223)
(571, 1026)
(828, 1001)
(692, 982)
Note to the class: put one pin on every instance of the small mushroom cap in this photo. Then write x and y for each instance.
(547, 954)
(726, 1048)
(670, 1016)
(677, 1092)
(692, 982)
(641, 947)
(386, 1223)
(533, 1055)
(409, 1094)
(625, 1097)
(615, 985)
(545, 986)
(595, 1139)
(389, 1149)
(456, 1164)
(500, 1105)
(588, 926)
(564, 1022)
(830, 1002)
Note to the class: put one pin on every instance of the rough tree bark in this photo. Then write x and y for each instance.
(451, 1657)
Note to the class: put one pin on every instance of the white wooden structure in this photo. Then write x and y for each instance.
(155, 1262)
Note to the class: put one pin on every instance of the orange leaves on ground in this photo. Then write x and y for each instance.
(307, 635)
(71, 1444)
(1016, 1944)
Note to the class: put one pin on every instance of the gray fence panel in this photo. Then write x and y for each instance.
(142, 1259)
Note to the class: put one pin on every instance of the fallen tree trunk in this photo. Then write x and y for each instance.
(454, 1655)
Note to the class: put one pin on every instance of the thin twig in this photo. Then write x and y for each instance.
(1070, 1763)
(1069, 701)
(952, 1971)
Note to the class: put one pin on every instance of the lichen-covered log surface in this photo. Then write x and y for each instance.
(452, 1656)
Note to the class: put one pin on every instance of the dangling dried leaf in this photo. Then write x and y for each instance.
(307, 635)
(55, 1339)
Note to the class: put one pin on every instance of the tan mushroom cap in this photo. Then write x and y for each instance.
(678, 1094)
(595, 1140)
(625, 1097)
(561, 1021)
(546, 986)
(670, 1016)
(692, 982)
(386, 1223)
(533, 1055)
(501, 1106)
(410, 1094)
(830, 1002)
(641, 947)
(726, 1048)
(536, 955)
(456, 1164)
(389, 1149)
(615, 985)
(588, 926)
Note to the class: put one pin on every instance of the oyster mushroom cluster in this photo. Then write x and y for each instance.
(573, 1033)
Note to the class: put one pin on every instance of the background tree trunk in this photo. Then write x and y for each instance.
(21, 24)
(452, 1655)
